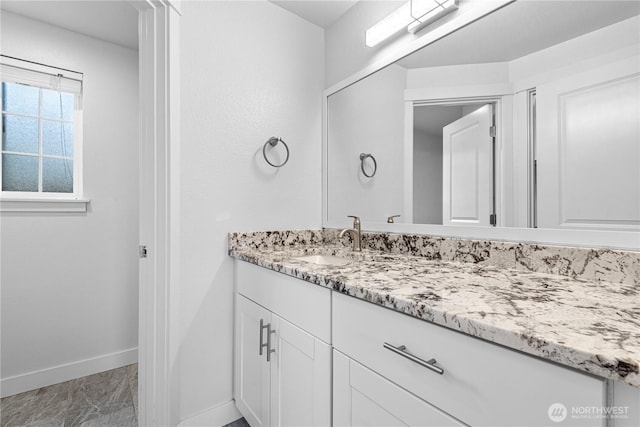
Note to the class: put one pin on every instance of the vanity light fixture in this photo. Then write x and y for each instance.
(413, 15)
(427, 17)
(390, 25)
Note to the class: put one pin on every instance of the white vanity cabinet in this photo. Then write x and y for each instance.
(308, 356)
(282, 352)
(445, 376)
(363, 398)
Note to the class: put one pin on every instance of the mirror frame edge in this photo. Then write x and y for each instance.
(619, 240)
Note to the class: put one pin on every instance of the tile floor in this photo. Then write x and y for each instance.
(108, 398)
(238, 423)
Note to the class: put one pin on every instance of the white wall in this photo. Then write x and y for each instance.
(367, 117)
(241, 84)
(449, 76)
(69, 282)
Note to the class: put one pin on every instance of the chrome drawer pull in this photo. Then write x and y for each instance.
(429, 364)
(269, 349)
(262, 327)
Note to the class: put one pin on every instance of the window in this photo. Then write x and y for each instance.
(41, 132)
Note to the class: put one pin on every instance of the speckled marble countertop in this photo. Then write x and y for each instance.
(591, 326)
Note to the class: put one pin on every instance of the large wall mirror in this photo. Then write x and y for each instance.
(528, 118)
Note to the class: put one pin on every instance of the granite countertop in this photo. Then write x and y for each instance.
(590, 326)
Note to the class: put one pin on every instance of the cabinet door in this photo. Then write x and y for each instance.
(625, 399)
(300, 378)
(363, 398)
(252, 376)
(483, 384)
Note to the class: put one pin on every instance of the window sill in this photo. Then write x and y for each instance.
(43, 205)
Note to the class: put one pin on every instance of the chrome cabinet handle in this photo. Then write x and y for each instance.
(429, 364)
(269, 349)
(268, 343)
(263, 326)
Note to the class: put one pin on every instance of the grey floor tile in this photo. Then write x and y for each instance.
(103, 399)
(46, 406)
(112, 376)
(133, 384)
(132, 374)
(238, 423)
(123, 418)
(98, 396)
(45, 423)
(13, 408)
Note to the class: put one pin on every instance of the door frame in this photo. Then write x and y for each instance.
(159, 215)
(501, 120)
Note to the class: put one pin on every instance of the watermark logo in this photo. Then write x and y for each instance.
(557, 412)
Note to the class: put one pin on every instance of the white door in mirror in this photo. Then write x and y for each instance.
(467, 180)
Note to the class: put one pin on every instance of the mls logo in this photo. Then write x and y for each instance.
(557, 412)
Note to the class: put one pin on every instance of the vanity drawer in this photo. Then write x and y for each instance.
(304, 304)
(483, 384)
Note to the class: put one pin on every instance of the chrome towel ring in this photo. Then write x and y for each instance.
(365, 156)
(273, 141)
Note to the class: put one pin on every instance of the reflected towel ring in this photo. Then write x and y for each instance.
(273, 141)
(363, 157)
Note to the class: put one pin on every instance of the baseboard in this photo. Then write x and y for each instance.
(57, 374)
(214, 417)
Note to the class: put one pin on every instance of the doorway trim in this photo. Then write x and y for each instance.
(159, 222)
(499, 96)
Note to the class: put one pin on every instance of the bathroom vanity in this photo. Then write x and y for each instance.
(479, 329)
(414, 335)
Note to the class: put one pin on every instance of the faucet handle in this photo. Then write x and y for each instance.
(390, 219)
(356, 219)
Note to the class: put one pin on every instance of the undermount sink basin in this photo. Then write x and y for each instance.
(324, 260)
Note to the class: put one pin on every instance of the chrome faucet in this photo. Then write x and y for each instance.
(355, 232)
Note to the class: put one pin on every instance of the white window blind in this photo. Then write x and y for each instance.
(19, 71)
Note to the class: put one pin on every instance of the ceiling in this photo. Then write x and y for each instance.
(513, 31)
(112, 21)
(116, 21)
(322, 13)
